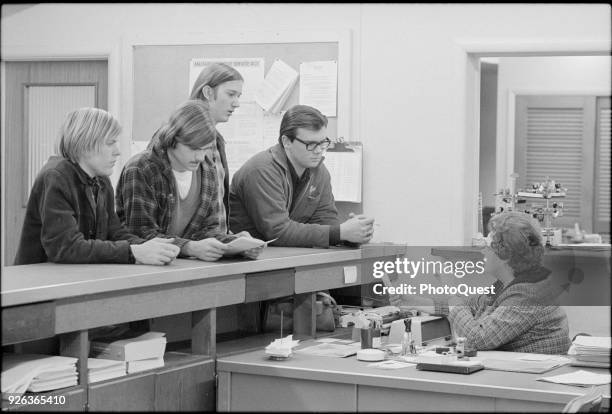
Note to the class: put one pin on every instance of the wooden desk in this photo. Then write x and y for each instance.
(47, 299)
(251, 382)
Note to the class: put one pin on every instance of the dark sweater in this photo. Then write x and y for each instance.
(64, 224)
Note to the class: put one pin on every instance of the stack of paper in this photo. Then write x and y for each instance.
(144, 364)
(281, 347)
(141, 352)
(276, 87)
(36, 373)
(104, 369)
(332, 349)
(591, 351)
(579, 378)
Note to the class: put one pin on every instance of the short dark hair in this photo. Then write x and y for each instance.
(300, 116)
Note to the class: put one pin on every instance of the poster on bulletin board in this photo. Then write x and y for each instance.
(344, 163)
(319, 85)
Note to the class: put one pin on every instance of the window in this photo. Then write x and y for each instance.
(567, 138)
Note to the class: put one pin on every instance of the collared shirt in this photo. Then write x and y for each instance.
(299, 186)
(221, 188)
(94, 185)
(299, 183)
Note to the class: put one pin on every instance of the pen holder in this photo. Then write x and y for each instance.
(367, 335)
(370, 338)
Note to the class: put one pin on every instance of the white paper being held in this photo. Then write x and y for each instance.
(242, 244)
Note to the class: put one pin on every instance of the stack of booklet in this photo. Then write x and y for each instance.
(140, 352)
(103, 369)
(591, 351)
(36, 373)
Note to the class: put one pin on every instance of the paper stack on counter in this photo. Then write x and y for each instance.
(281, 348)
(36, 373)
(591, 351)
(333, 349)
(579, 378)
(141, 352)
(104, 369)
(144, 364)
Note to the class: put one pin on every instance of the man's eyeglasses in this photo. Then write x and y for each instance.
(310, 146)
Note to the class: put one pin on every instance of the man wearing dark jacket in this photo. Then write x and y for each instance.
(70, 216)
(285, 193)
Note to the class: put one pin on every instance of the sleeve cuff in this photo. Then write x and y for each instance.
(131, 258)
(334, 234)
(441, 308)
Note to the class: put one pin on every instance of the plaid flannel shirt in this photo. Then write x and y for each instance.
(519, 318)
(146, 199)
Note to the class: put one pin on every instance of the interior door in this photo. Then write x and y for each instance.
(38, 96)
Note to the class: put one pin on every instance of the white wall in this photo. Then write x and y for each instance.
(409, 80)
(553, 75)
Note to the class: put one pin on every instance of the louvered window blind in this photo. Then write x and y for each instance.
(602, 168)
(556, 137)
(46, 109)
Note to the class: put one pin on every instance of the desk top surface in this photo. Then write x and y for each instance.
(51, 281)
(486, 383)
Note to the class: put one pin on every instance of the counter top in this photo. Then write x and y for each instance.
(51, 281)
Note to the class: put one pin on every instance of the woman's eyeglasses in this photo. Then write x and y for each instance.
(310, 146)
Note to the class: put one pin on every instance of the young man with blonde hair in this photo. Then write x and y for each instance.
(70, 215)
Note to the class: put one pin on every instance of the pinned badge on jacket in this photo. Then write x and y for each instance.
(311, 191)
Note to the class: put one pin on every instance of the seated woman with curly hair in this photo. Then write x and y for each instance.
(521, 314)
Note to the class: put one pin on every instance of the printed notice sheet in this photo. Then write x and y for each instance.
(345, 171)
(276, 87)
(319, 85)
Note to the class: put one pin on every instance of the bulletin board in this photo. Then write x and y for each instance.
(161, 75)
(160, 79)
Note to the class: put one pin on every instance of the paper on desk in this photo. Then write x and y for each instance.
(579, 378)
(281, 347)
(390, 364)
(242, 244)
(327, 340)
(331, 349)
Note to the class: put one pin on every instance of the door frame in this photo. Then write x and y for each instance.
(469, 52)
(53, 52)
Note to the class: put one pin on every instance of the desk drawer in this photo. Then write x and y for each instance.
(28, 322)
(269, 285)
(321, 277)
